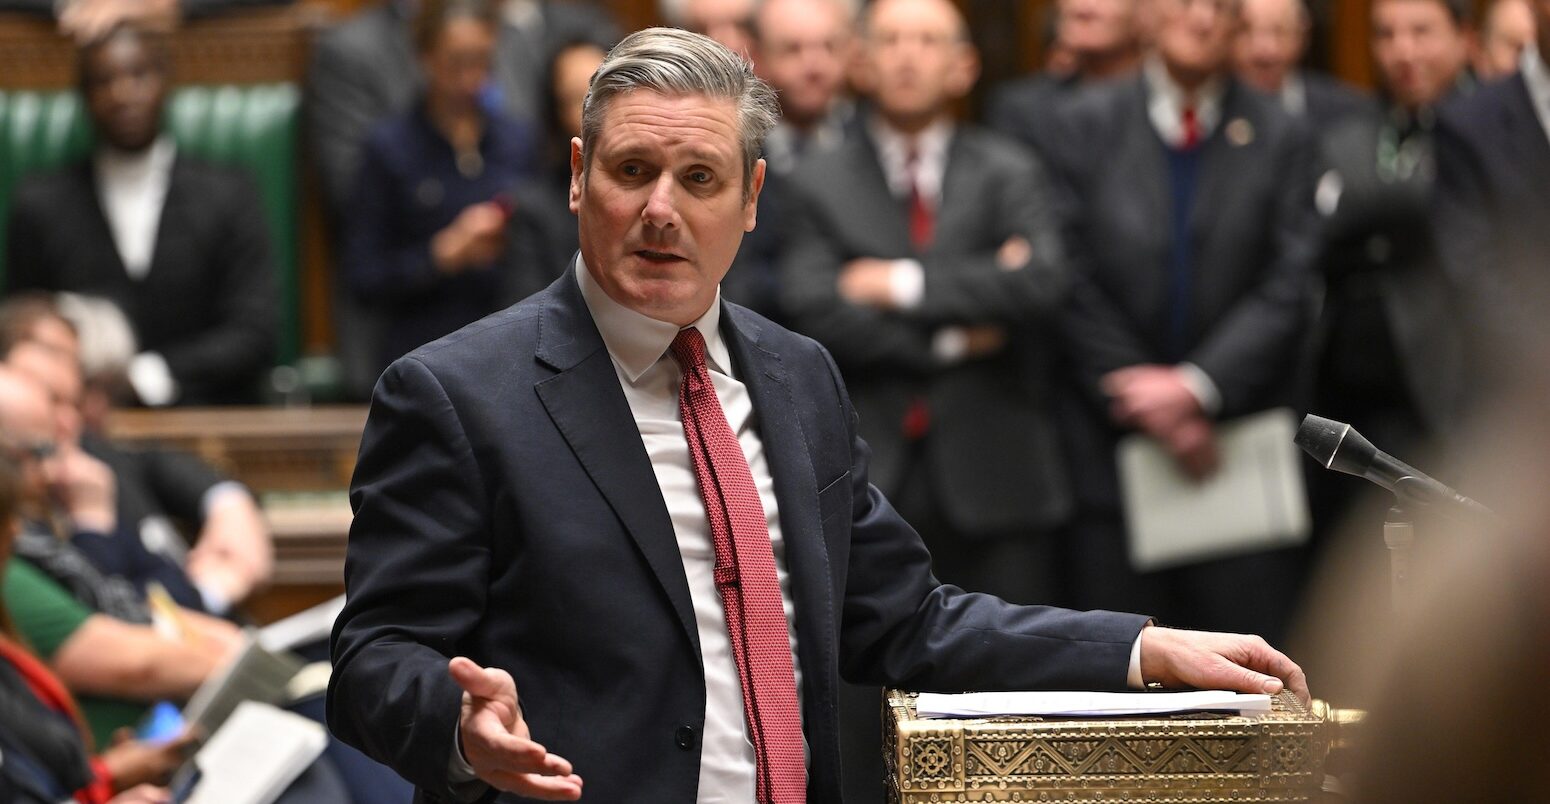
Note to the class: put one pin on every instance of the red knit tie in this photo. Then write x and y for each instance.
(745, 577)
(922, 218)
(1190, 124)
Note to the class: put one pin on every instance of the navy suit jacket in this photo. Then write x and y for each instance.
(506, 510)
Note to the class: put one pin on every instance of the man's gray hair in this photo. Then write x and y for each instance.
(675, 62)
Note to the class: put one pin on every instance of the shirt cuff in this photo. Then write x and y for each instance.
(950, 344)
(152, 379)
(1203, 387)
(214, 600)
(1133, 678)
(907, 283)
(218, 492)
(460, 775)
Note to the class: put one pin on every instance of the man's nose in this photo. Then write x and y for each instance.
(661, 206)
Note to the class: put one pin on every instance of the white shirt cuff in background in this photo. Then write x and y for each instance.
(950, 344)
(1203, 387)
(907, 283)
(214, 600)
(218, 492)
(152, 379)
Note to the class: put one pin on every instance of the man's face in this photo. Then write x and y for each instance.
(573, 69)
(457, 65)
(1542, 28)
(27, 436)
(1507, 31)
(1194, 37)
(125, 89)
(661, 203)
(1419, 50)
(804, 50)
(916, 59)
(1269, 43)
(59, 377)
(726, 21)
(1097, 26)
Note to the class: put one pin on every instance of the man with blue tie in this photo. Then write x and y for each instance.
(648, 511)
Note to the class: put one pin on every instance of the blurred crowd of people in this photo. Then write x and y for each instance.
(1174, 225)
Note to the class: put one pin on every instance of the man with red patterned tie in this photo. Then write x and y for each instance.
(648, 511)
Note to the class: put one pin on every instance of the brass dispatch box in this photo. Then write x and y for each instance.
(1177, 759)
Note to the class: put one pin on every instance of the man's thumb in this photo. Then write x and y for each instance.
(480, 682)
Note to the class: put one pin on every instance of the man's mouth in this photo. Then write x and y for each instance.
(657, 256)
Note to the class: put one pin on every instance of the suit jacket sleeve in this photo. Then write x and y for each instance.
(976, 288)
(1461, 212)
(420, 516)
(901, 627)
(243, 343)
(860, 337)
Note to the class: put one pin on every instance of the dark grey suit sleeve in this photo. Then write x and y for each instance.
(901, 627)
(247, 298)
(1249, 349)
(420, 536)
(859, 336)
(976, 288)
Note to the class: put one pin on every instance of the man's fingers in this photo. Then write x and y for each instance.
(548, 788)
(481, 682)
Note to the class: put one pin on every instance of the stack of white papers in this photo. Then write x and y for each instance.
(257, 754)
(1085, 704)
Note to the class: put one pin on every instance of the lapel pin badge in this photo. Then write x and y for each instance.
(1240, 132)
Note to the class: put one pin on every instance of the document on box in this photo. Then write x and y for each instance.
(1084, 704)
(1253, 502)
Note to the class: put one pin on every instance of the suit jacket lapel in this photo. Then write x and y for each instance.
(1528, 138)
(107, 263)
(588, 408)
(959, 183)
(1221, 159)
(887, 215)
(796, 489)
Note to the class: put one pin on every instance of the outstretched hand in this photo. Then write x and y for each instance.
(1209, 660)
(496, 741)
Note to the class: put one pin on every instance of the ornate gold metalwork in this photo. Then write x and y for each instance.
(1178, 759)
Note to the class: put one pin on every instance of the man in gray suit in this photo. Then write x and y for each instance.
(1194, 236)
(925, 256)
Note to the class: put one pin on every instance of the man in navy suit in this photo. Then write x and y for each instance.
(529, 511)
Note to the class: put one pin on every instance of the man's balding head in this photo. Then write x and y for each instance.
(804, 49)
(917, 59)
(27, 433)
(1270, 42)
(59, 376)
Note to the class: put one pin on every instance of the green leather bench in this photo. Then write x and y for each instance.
(253, 126)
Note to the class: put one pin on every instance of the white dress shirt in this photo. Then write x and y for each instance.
(1536, 76)
(132, 189)
(1166, 101)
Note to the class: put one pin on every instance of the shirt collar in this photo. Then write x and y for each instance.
(153, 161)
(893, 146)
(1294, 94)
(1166, 101)
(1536, 76)
(635, 341)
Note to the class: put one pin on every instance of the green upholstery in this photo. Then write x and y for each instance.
(251, 126)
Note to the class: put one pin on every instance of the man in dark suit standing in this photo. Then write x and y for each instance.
(1194, 234)
(1493, 201)
(650, 508)
(1103, 38)
(179, 245)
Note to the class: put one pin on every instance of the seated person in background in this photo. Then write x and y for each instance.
(1506, 30)
(48, 759)
(426, 243)
(87, 20)
(179, 245)
(95, 631)
(232, 554)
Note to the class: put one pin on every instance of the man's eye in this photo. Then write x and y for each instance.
(630, 170)
(699, 176)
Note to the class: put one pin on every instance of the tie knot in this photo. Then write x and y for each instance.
(689, 349)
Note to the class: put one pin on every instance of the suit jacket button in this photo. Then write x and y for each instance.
(684, 737)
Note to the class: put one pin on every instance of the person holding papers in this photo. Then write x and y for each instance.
(1194, 234)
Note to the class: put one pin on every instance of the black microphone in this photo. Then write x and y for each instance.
(1337, 446)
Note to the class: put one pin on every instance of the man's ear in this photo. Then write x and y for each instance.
(965, 70)
(751, 207)
(575, 174)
